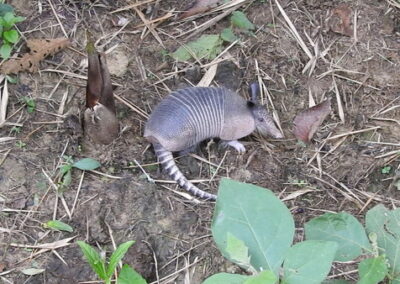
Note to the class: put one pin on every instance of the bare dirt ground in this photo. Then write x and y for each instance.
(173, 243)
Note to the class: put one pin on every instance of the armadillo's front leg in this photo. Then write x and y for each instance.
(235, 144)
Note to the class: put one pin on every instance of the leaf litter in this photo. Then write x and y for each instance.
(307, 122)
(39, 50)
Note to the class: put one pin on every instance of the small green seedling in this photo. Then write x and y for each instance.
(8, 34)
(29, 103)
(105, 268)
(16, 129)
(20, 144)
(65, 176)
(385, 170)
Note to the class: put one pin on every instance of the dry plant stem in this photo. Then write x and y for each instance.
(353, 132)
(57, 18)
(131, 6)
(77, 193)
(176, 272)
(3, 104)
(149, 26)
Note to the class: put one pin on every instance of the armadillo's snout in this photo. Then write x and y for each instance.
(266, 125)
(276, 133)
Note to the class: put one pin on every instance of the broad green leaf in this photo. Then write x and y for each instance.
(5, 51)
(239, 20)
(117, 255)
(58, 225)
(8, 20)
(86, 164)
(237, 250)
(5, 8)
(258, 218)
(309, 262)
(342, 228)
(129, 276)
(264, 277)
(386, 225)
(18, 19)
(94, 259)
(372, 270)
(228, 35)
(226, 278)
(11, 36)
(207, 46)
(33, 271)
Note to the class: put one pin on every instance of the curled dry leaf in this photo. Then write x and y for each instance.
(341, 20)
(307, 122)
(39, 50)
(198, 7)
(100, 122)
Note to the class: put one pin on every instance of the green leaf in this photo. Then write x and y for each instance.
(11, 36)
(207, 46)
(237, 251)
(65, 168)
(386, 225)
(12, 79)
(67, 179)
(94, 260)
(18, 19)
(264, 277)
(86, 164)
(129, 276)
(117, 255)
(5, 51)
(386, 170)
(228, 35)
(372, 270)
(258, 218)
(309, 262)
(226, 278)
(239, 20)
(58, 225)
(342, 228)
(5, 8)
(8, 20)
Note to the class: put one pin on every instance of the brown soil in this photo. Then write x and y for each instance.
(172, 233)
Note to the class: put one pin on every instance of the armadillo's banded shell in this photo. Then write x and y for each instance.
(187, 117)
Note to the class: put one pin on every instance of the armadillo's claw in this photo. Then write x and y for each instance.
(237, 145)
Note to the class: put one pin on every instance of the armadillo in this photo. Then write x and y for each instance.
(188, 116)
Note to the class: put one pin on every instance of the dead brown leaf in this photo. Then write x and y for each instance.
(198, 7)
(307, 122)
(39, 50)
(341, 20)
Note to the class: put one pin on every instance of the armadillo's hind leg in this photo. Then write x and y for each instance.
(235, 144)
(189, 150)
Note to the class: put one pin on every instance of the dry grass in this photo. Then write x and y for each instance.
(296, 59)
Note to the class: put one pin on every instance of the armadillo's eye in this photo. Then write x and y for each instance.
(260, 119)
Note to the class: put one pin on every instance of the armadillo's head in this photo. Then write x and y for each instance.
(264, 122)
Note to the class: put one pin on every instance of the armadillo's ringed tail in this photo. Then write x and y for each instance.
(167, 161)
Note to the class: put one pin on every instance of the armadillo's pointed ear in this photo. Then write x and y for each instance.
(254, 92)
